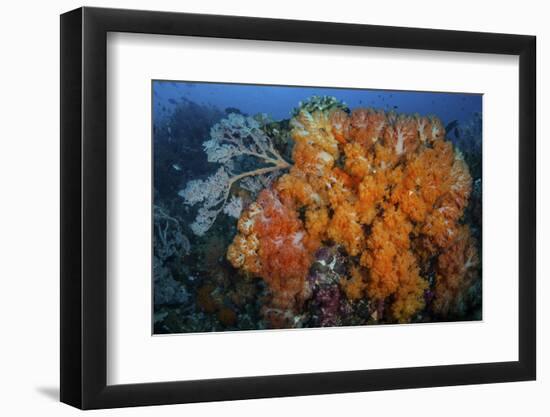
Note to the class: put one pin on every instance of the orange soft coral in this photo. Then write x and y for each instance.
(359, 162)
(316, 225)
(279, 254)
(425, 179)
(243, 252)
(295, 188)
(344, 229)
(393, 267)
(457, 270)
(370, 193)
(440, 226)
(340, 125)
(367, 127)
(356, 285)
(401, 135)
(388, 257)
(387, 188)
(311, 159)
(316, 129)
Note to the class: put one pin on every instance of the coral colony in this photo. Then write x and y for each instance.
(336, 217)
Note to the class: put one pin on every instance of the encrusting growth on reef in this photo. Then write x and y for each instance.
(387, 189)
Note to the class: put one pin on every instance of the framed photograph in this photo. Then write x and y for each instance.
(257, 208)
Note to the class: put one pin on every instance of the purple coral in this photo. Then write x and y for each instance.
(327, 303)
(328, 300)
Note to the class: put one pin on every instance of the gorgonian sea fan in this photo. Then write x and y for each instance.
(233, 137)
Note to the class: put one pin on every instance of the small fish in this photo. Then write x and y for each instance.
(395, 107)
(451, 126)
(172, 101)
(177, 167)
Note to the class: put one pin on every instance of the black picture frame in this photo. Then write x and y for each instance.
(84, 207)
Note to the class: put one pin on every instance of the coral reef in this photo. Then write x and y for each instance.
(337, 216)
(386, 189)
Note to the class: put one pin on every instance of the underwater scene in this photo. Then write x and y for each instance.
(280, 207)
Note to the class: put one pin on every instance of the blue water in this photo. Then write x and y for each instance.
(279, 101)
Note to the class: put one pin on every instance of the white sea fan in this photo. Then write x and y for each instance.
(197, 191)
(204, 220)
(257, 183)
(213, 193)
(234, 207)
(232, 137)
